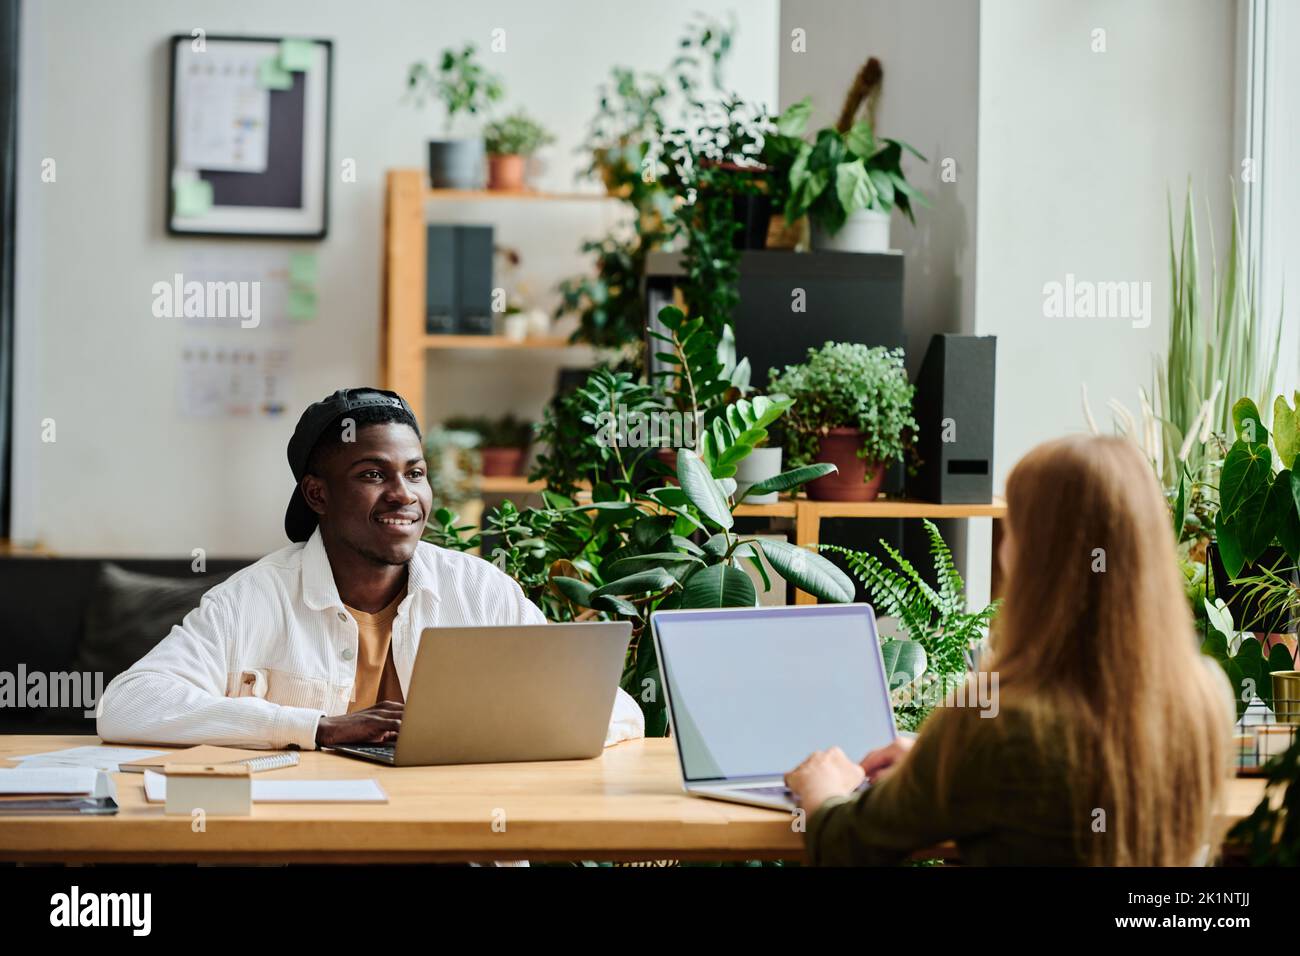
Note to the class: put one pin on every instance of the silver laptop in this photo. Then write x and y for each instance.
(751, 692)
(507, 694)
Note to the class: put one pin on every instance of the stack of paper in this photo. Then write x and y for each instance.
(56, 790)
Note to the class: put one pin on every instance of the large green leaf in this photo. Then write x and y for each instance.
(790, 479)
(859, 139)
(579, 592)
(853, 187)
(904, 662)
(1249, 424)
(702, 490)
(1230, 549)
(808, 571)
(719, 585)
(633, 564)
(1246, 472)
(655, 579)
(1288, 520)
(1286, 431)
(792, 121)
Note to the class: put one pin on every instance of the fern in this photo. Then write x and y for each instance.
(937, 619)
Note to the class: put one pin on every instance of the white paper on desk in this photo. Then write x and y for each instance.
(73, 781)
(94, 758)
(289, 791)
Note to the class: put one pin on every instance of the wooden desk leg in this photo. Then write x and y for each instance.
(995, 571)
(807, 529)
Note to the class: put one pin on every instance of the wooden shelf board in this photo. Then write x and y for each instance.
(495, 342)
(510, 484)
(525, 195)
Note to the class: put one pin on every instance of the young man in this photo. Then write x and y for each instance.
(314, 644)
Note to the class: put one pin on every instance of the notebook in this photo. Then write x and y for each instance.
(365, 790)
(56, 790)
(254, 760)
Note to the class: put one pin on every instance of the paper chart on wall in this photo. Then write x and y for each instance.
(221, 380)
(223, 112)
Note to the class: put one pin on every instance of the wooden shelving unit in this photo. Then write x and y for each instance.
(404, 345)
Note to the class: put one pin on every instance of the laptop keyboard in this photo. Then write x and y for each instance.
(783, 792)
(385, 751)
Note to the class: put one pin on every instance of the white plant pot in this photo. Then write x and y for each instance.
(759, 465)
(866, 230)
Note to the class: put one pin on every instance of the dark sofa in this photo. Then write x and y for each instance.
(65, 615)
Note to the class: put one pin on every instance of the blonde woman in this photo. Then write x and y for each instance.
(1110, 740)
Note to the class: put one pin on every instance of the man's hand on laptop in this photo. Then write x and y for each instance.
(374, 725)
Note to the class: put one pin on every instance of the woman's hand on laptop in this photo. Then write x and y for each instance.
(881, 760)
(374, 725)
(825, 774)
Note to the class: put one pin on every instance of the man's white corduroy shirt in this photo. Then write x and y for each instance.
(272, 649)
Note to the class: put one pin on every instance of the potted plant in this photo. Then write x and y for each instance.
(503, 442)
(1257, 530)
(464, 86)
(510, 142)
(942, 634)
(852, 408)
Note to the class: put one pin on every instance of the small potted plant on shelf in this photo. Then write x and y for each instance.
(503, 442)
(852, 408)
(510, 142)
(848, 180)
(465, 87)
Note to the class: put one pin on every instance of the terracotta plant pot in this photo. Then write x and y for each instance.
(785, 235)
(506, 173)
(500, 462)
(840, 448)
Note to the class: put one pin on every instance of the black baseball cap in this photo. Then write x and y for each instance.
(299, 519)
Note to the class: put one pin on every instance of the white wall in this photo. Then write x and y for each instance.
(127, 474)
(1078, 151)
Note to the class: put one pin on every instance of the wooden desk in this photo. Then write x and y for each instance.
(626, 805)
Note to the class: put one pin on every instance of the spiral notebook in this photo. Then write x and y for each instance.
(254, 760)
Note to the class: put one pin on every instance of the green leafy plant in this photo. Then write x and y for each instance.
(505, 432)
(636, 547)
(609, 304)
(1258, 506)
(1271, 834)
(848, 385)
(573, 453)
(935, 620)
(515, 135)
(462, 83)
(454, 465)
(840, 173)
(1242, 658)
(702, 372)
(782, 145)
(1215, 349)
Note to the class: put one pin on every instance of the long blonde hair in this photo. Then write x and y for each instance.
(1096, 641)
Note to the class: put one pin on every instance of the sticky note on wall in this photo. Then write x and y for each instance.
(302, 304)
(302, 268)
(192, 197)
(272, 76)
(297, 55)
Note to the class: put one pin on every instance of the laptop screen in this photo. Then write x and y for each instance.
(753, 692)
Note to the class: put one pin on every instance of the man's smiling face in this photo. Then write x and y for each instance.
(373, 494)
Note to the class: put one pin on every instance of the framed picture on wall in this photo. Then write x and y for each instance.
(248, 137)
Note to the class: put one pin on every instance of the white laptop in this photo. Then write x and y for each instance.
(751, 692)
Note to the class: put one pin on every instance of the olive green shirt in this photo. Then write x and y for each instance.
(1004, 800)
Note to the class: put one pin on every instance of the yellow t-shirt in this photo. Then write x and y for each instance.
(376, 678)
